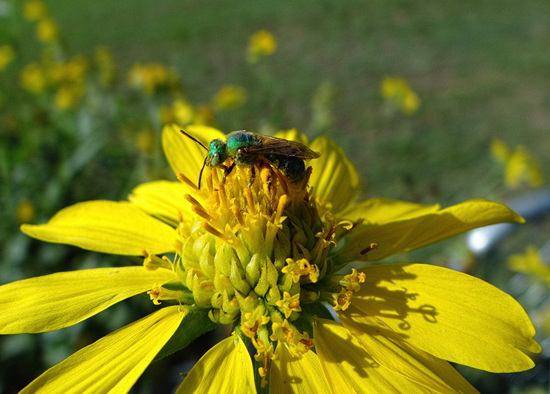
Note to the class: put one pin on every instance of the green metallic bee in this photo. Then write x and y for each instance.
(247, 148)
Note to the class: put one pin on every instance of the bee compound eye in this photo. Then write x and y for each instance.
(216, 159)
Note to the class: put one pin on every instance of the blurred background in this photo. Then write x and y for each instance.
(440, 102)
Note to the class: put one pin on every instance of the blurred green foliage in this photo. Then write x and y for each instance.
(83, 100)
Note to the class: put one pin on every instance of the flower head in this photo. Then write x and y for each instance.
(520, 166)
(399, 93)
(262, 43)
(268, 255)
(229, 97)
(6, 56)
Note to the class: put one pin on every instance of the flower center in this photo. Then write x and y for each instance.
(256, 253)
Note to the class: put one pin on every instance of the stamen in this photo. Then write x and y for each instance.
(372, 246)
(201, 212)
(214, 231)
(351, 281)
(238, 215)
(341, 300)
(289, 304)
(152, 262)
(187, 181)
(222, 194)
(249, 201)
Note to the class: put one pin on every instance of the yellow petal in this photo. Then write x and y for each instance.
(226, 368)
(113, 363)
(384, 210)
(51, 302)
(163, 199)
(411, 233)
(389, 350)
(293, 135)
(448, 314)
(106, 226)
(296, 375)
(185, 155)
(334, 178)
(350, 369)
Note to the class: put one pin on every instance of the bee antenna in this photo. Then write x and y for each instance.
(200, 174)
(194, 139)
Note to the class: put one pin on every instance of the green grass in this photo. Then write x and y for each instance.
(480, 68)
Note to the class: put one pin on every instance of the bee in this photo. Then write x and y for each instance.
(246, 148)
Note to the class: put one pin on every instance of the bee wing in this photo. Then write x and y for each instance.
(280, 146)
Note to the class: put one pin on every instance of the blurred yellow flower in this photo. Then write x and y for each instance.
(6, 56)
(25, 211)
(32, 78)
(68, 96)
(105, 65)
(72, 71)
(151, 76)
(499, 150)
(530, 263)
(262, 43)
(204, 116)
(229, 97)
(520, 166)
(183, 111)
(47, 30)
(34, 10)
(399, 93)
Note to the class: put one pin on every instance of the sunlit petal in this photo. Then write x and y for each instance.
(185, 155)
(163, 199)
(226, 368)
(334, 178)
(296, 375)
(350, 369)
(113, 363)
(51, 302)
(448, 314)
(106, 226)
(392, 352)
(403, 235)
(384, 210)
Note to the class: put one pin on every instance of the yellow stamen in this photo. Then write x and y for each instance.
(215, 232)
(187, 181)
(249, 201)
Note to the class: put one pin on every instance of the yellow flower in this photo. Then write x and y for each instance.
(530, 263)
(229, 97)
(47, 30)
(33, 79)
(268, 255)
(399, 93)
(6, 56)
(520, 166)
(106, 66)
(68, 96)
(25, 211)
(151, 76)
(34, 10)
(72, 71)
(262, 43)
(183, 111)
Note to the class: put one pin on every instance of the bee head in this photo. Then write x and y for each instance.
(217, 153)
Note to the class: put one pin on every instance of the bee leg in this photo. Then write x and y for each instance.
(252, 176)
(227, 171)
